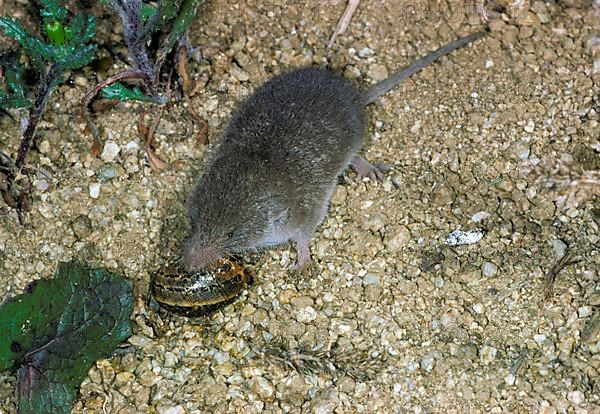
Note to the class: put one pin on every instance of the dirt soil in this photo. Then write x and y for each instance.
(501, 136)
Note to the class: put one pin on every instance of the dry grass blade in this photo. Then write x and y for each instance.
(573, 184)
(360, 366)
(553, 273)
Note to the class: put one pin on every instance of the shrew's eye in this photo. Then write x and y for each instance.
(230, 235)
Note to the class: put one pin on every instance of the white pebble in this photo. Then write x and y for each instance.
(110, 151)
(530, 127)
(371, 279)
(489, 269)
(41, 185)
(459, 237)
(132, 146)
(510, 379)
(488, 354)
(539, 338)
(412, 366)
(478, 308)
(559, 247)
(365, 52)
(427, 363)
(489, 63)
(479, 216)
(306, 315)
(171, 359)
(584, 311)
(576, 397)
(95, 190)
(178, 409)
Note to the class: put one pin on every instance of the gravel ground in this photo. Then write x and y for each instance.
(392, 318)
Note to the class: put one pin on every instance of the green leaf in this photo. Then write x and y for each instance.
(123, 93)
(81, 57)
(10, 102)
(13, 28)
(84, 28)
(34, 47)
(13, 75)
(57, 329)
(147, 11)
(53, 11)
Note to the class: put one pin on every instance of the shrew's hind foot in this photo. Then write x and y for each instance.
(365, 169)
(303, 250)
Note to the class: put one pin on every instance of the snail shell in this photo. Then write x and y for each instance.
(198, 292)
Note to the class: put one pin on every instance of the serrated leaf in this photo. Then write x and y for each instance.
(80, 57)
(84, 28)
(58, 328)
(123, 93)
(33, 46)
(13, 28)
(53, 11)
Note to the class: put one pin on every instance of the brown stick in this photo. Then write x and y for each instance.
(148, 136)
(188, 91)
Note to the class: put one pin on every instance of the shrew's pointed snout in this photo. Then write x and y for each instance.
(195, 257)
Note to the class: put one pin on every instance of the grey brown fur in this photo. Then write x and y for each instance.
(275, 169)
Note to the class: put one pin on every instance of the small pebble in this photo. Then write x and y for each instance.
(41, 185)
(482, 215)
(81, 226)
(487, 354)
(559, 247)
(530, 127)
(170, 359)
(397, 238)
(584, 311)
(459, 237)
(377, 72)
(365, 52)
(109, 171)
(306, 315)
(489, 269)
(178, 409)
(576, 397)
(263, 388)
(371, 279)
(94, 190)
(427, 363)
(110, 151)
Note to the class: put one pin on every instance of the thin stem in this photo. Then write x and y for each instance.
(48, 84)
(86, 99)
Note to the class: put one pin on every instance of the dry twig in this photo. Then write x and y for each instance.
(190, 90)
(344, 21)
